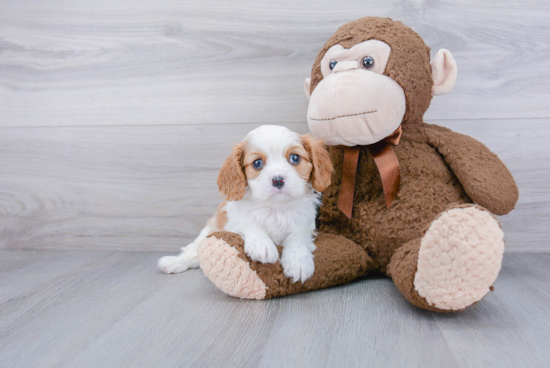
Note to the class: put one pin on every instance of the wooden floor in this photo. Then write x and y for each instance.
(114, 309)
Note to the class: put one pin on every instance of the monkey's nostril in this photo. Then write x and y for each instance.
(278, 181)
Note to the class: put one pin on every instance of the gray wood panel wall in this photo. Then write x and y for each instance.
(115, 116)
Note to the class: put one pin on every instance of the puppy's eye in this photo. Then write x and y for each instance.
(294, 159)
(332, 64)
(258, 164)
(367, 62)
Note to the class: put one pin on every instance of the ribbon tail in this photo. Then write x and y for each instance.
(347, 188)
(388, 166)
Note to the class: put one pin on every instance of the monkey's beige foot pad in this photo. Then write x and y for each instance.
(459, 259)
(229, 270)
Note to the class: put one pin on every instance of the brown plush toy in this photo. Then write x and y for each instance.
(402, 196)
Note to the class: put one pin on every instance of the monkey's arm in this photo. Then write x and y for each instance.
(486, 180)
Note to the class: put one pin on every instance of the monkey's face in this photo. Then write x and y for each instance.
(355, 103)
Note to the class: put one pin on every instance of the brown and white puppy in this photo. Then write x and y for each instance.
(271, 182)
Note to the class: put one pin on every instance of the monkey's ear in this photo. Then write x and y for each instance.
(307, 86)
(443, 72)
(231, 179)
(320, 159)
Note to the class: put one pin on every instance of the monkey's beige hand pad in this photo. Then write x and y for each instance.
(223, 260)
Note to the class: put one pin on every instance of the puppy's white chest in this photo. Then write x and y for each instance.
(276, 222)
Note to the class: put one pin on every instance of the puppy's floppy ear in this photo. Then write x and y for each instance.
(231, 179)
(320, 159)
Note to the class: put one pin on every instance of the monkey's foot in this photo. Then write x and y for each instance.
(222, 257)
(459, 258)
(229, 269)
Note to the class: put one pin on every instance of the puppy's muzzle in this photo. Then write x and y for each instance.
(278, 181)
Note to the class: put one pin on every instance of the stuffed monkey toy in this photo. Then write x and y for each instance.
(411, 200)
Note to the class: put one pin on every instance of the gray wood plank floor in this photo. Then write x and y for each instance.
(114, 309)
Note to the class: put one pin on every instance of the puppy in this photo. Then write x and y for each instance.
(271, 182)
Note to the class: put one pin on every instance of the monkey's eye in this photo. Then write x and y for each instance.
(294, 159)
(367, 62)
(258, 164)
(332, 64)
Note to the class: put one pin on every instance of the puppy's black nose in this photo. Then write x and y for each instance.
(278, 181)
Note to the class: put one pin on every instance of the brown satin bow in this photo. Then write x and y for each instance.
(386, 162)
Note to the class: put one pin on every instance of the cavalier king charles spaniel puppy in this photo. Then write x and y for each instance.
(271, 182)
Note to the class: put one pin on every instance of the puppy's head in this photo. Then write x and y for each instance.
(275, 164)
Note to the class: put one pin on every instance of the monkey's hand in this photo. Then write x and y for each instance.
(486, 180)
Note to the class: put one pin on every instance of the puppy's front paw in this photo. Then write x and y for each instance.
(297, 264)
(261, 249)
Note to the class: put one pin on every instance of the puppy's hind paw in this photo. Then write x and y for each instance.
(298, 265)
(176, 264)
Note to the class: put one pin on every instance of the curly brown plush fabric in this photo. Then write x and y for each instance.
(441, 171)
(428, 186)
(338, 261)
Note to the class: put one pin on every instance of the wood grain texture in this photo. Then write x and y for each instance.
(183, 62)
(114, 309)
(520, 302)
(154, 187)
(116, 116)
(151, 187)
